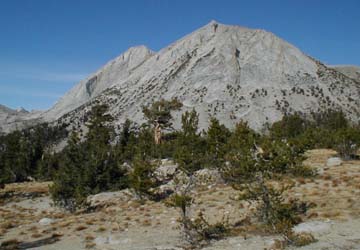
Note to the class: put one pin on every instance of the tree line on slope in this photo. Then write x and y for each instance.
(103, 160)
(22, 153)
(99, 161)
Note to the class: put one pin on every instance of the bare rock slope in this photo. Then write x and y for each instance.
(229, 72)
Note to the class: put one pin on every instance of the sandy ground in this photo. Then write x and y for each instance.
(334, 220)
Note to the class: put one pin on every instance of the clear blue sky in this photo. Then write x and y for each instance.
(46, 46)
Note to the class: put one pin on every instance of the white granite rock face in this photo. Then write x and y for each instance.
(229, 72)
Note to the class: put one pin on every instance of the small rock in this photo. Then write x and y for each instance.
(127, 166)
(166, 170)
(166, 189)
(45, 221)
(333, 162)
(320, 171)
(109, 198)
(208, 176)
(108, 240)
(312, 227)
(30, 178)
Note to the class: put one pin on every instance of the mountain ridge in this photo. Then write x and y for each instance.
(14, 119)
(227, 71)
(351, 71)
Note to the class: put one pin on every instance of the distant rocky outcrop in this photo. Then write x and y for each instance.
(11, 119)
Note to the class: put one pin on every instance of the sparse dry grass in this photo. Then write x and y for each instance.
(101, 229)
(28, 187)
(10, 244)
(80, 228)
(8, 225)
(66, 223)
(89, 222)
(36, 235)
(326, 177)
(89, 237)
(57, 235)
(301, 181)
(58, 215)
(332, 191)
(146, 223)
(90, 245)
(2, 231)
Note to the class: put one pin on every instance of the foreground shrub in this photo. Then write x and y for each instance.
(141, 178)
(347, 142)
(206, 231)
(301, 239)
(272, 209)
(197, 232)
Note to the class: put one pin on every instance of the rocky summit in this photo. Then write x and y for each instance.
(229, 72)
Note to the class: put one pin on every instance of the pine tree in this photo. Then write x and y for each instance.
(102, 170)
(140, 178)
(125, 134)
(126, 146)
(17, 157)
(347, 142)
(190, 123)
(250, 168)
(190, 147)
(241, 153)
(145, 147)
(159, 116)
(331, 120)
(100, 131)
(217, 136)
(290, 126)
(65, 189)
(47, 166)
